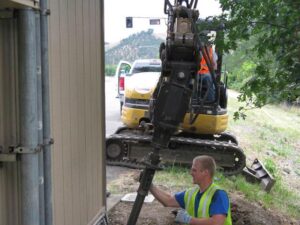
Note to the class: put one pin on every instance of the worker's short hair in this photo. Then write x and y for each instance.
(206, 163)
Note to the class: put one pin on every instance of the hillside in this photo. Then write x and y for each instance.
(140, 45)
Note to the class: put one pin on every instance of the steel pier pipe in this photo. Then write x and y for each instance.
(28, 117)
(46, 113)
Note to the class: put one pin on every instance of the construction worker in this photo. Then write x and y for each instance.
(205, 77)
(204, 204)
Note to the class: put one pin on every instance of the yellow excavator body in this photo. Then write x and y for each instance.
(136, 110)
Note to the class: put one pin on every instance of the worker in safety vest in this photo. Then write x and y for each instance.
(205, 76)
(204, 204)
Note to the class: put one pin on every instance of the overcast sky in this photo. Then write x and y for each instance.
(117, 10)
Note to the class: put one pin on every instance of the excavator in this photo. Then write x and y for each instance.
(182, 122)
(177, 115)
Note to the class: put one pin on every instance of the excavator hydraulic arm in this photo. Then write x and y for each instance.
(180, 60)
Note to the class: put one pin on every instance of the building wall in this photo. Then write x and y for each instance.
(77, 113)
(77, 107)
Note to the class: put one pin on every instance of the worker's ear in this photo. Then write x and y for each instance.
(206, 172)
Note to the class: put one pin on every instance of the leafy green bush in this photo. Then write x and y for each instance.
(240, 75)
(274, 25)
(110, 70)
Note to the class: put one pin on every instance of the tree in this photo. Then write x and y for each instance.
(275, 24)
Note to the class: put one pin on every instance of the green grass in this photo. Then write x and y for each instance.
(271, 128)
(271, 167)
(279, 198)
(271, 134)
(174, 177)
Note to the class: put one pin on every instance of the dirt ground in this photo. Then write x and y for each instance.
(243, 212)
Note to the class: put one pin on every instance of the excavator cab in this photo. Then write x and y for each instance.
(208, 116)
(210, 33)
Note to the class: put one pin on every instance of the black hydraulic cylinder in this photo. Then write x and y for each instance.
(145, 183)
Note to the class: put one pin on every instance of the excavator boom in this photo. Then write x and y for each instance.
(180, 59)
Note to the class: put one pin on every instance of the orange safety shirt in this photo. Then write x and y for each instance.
(203, 66)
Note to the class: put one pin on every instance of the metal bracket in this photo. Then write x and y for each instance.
(11, 155)
(45, 12)
(49, 141)
(24, 150)
(27, 150)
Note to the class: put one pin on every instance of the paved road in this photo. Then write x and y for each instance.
(113, 121)
(112, 104)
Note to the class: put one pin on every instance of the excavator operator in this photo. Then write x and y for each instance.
(205, 77)
(205, 204)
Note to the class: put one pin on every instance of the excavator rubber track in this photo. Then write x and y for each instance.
(130, 150)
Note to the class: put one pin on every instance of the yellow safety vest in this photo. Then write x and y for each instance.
(205, 201)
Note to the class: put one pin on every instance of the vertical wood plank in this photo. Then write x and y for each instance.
(94, 100)
(81, 143)
(74, 115)
(87, 106)
(66, 112)
(101, 104)
(2, 172)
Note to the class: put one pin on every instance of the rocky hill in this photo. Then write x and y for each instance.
(137, 46)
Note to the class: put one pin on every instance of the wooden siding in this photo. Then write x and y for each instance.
(77, 110)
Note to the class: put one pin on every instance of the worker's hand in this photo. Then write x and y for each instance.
(183, 217)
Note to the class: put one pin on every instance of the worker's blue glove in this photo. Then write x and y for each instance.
(183, 217)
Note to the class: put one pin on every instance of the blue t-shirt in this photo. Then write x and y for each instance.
(219, 203)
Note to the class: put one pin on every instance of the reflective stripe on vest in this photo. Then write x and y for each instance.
(204, 204)
(203, 66)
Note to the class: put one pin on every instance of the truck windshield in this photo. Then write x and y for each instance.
(141, 67)
(146, 69)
